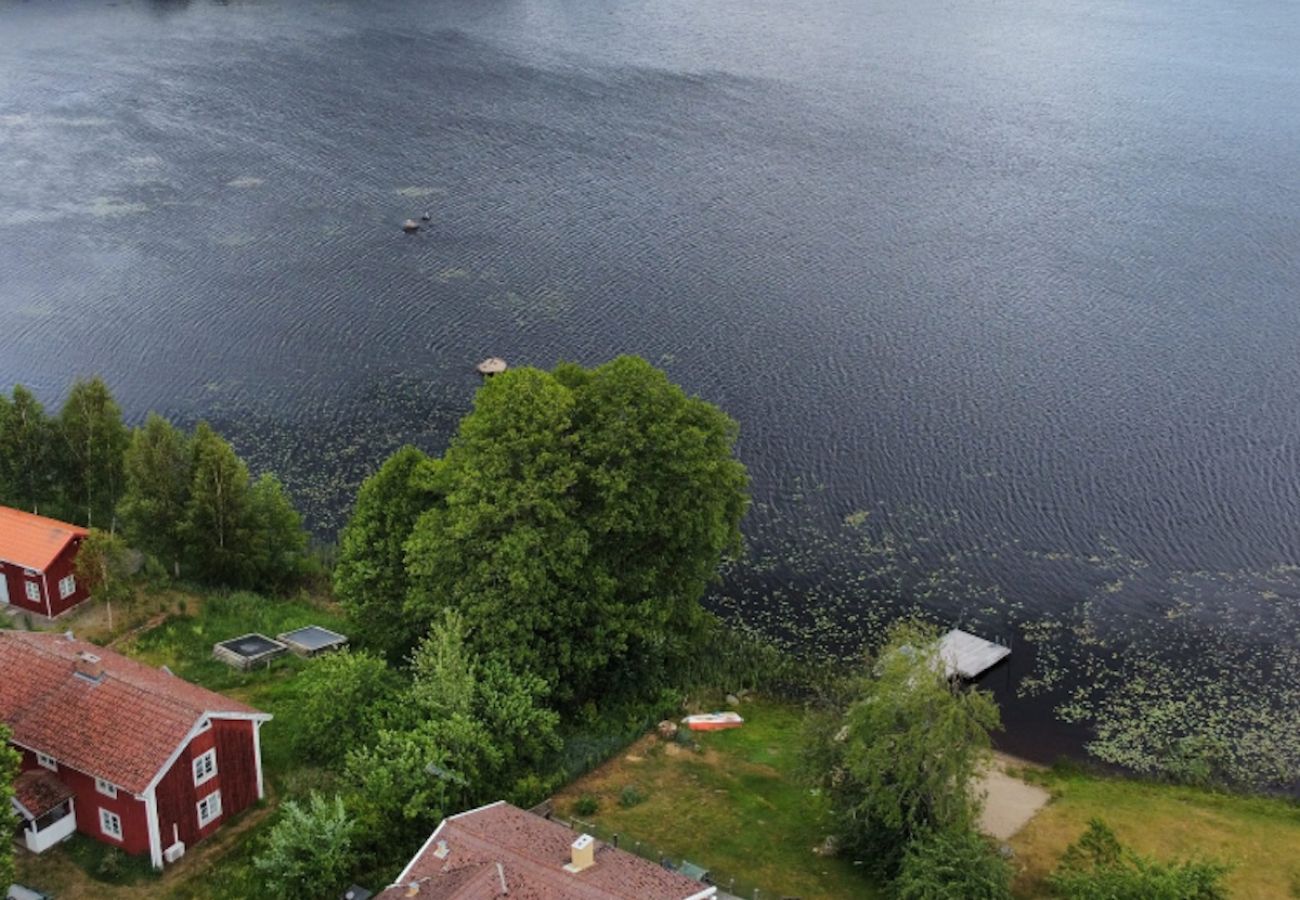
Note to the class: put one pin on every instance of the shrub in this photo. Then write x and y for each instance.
(952, 865)
(308, 853)
(630, 797)
(586, 805)
(1098, 867)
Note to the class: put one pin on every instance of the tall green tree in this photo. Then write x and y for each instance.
(217, 516)
(30, 454)
(577, 518)
(278, 544)
(96, 439)
(309, 851)
(10, 762)
(370, 576)
(899, 753)
(158, 476)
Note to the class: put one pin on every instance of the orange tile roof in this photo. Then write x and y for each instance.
(33, 541)
(501, 850)
(40, 791)
(122, 728)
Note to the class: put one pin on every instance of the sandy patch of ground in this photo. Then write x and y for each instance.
(1009, 803)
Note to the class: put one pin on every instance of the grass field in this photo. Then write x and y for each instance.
(1258, 837)
(735, 807)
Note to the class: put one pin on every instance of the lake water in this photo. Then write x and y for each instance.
(1005, 295)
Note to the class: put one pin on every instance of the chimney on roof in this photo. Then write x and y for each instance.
(90, 666)
(583, 852)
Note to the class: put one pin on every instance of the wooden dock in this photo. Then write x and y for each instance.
(967, 656)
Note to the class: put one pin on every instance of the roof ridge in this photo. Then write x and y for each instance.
(550, 870)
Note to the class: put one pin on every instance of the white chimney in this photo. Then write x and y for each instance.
(584, 854)
(90, 666)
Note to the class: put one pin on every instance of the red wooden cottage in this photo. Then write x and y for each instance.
(127, 754)
(36, 563)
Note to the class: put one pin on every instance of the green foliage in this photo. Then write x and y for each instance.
(465, 732)
(158, 473)
(341, 697)
(1098, 867)
(576, 520)
(9, 765)
(952, 865)
(370, 577)
(630, 796)
(217, 515)
(103, 566)
(29, 454)
(897, 752)
(586, 805)
(309, 852)
(278, 546)
(95, 439)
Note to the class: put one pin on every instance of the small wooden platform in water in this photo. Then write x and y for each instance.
(968, 656)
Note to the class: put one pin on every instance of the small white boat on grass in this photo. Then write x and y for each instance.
(717, 721)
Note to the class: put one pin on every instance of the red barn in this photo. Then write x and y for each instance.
(36, 563)
(127, 754)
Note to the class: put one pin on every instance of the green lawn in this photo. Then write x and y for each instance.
(1259, 837)
(735, 808)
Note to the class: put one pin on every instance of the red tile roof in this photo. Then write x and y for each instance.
(121, 728)
(40, 791)
(33, 541)
(503, 843)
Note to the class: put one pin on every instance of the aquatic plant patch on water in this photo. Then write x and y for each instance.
(1189, 676)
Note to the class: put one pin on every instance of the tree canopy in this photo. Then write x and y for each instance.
(575, 522)
(899, 753)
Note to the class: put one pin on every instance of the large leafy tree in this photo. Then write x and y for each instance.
(899, 752)
(340, 698)
(96, 439)
(278, 544)
(30, 454)
(217, 515)
(575, 522)
(158, 474)
(370, 576)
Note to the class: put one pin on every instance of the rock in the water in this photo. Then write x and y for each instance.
(410, 225)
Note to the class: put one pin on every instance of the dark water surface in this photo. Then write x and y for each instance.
(1012, 287)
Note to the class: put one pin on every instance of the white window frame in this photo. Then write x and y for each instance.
(211, 805)
(110, 823)
(67, 586)
(107, 788)
(205, 767)
(33, 591)
(48, 762)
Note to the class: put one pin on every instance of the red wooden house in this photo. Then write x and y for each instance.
(36, 563)
(127, 754)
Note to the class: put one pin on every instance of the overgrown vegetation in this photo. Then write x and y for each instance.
(1098, 867)
(898, 749)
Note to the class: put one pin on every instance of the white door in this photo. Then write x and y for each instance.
(4, 589)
